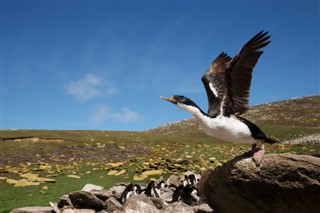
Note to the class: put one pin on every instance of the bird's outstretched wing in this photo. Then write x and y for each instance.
(238, 75)
(214, 83)
(228, 80)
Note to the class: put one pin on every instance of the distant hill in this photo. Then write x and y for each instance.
(294, 112)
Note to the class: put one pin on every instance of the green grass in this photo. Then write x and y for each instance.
(87, 154)
(13, 197)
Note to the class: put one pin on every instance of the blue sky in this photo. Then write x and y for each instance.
(103, 64)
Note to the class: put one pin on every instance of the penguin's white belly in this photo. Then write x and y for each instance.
(228, 129)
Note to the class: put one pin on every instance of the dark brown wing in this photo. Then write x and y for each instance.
(239, 74)
(213, 81)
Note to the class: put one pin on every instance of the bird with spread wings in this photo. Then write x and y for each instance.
(227, 83)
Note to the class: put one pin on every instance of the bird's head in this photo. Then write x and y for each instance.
(184, 103)
(178, 100)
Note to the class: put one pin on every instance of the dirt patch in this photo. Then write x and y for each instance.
(32, 139)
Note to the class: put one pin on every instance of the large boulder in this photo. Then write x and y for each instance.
(282, 183)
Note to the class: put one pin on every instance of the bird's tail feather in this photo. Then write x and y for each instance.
(270, 140)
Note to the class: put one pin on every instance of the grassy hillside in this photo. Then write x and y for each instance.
(107, 157)
(303, 111)
(297, 112)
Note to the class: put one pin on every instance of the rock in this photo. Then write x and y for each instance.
(140, 203)
(93, 198)
(203, 208)
(104, 194)
(203, 179)
(33, 209)
(69, 210)
(174, 180)
(64, 201)
(310, 139)
(85, 199)
(54, 207)
(179, 207)
(166, 194)
(113, 204)
(89, 187)
(117, 190)
(282, 183)
(104, 211)
(159, 203)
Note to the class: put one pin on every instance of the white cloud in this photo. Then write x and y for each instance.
(89, 87)
(104, 112)
(112, 91)
(126, 115)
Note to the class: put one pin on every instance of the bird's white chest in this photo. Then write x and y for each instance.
(227, 129)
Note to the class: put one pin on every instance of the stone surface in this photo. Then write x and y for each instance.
(201, 186)
(117, 190)
(70, 210)
(85, 199)
(55, 207)
(113, 204)
(105, 194)
(140, 203)
(89, 187)
(159, 203)
(179, 207)
(64, 201)
(282, 183)
(33, 209)
(203, 208)
(174, 180)
(166, 194)
(310, 139)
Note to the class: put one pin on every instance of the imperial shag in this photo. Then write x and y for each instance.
(227, 84)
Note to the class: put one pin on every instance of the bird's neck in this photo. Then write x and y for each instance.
(194, 110)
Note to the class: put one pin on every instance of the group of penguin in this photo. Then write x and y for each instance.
(186, 192)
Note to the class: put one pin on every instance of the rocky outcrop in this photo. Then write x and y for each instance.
(32, 209)
(305, 140)
(93, 198)
(81, 199)
(140, 203)
(282, 183)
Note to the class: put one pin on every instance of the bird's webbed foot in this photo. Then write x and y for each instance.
(258, 154)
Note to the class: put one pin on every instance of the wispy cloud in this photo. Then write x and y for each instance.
(89, 87)
(103, 113)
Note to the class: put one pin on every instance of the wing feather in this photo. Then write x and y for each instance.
(238, 75)
(213, 81)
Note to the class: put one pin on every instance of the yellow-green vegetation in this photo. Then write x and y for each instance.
(39, 166)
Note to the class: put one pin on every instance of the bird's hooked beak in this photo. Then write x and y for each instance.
(171, 99)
